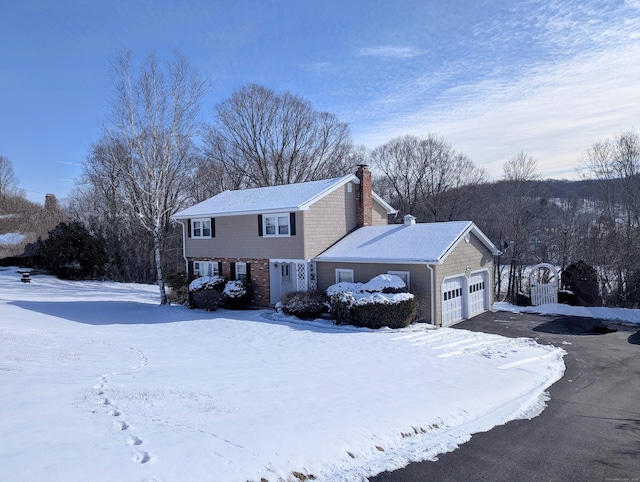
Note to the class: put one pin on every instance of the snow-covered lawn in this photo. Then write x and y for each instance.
(98, 382)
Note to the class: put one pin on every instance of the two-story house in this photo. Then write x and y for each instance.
(310, 235)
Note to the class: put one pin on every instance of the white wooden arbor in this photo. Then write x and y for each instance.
(543, 281)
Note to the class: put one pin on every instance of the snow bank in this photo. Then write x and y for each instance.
(11, 238)
(624, 315)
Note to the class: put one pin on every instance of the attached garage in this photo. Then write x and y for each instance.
(448, 266)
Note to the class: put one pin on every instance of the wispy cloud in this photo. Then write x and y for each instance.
(582, 86)
(388, 51)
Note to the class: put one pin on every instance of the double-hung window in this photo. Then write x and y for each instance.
(344, 276)
(241, 271)
(276, 224)
(404, 275)
(201, 228)
(205, 268)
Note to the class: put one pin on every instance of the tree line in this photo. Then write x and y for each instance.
(156, 156)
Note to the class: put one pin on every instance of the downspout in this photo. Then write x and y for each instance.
(184, 248)
(433, 300)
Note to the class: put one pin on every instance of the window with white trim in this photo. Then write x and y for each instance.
(201, 228)
(344, 276)
(276, 224)
(404, 275)
(205, 268)
(241, 271)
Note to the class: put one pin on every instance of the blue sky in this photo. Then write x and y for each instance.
(492, 77)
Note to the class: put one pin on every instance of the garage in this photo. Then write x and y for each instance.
(452, 301)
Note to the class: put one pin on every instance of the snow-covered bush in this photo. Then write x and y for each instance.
(206, 292)
(374, 304)
(306, 305)
(207, 282)
(383, 283)
(236, 294)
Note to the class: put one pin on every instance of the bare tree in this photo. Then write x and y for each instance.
(150, 139)
(614, 240)
(8, 179)
(261, 138)
(518, 208)
(425, 176)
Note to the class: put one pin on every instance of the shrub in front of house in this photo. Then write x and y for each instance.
(179, 287)
(383, 301)
(307, 305)
(236, 294)
(206, 293)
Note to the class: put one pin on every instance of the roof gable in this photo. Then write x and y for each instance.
(270, 199)
(427, 243)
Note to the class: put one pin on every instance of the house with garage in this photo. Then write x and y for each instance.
(310, 235)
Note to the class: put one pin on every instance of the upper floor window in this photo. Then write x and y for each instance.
(201, 228)
(276, 224)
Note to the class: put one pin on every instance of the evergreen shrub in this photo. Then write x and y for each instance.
(236, 294)
(206, 293)
(306, 305)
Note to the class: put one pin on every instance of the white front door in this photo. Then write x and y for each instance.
(453, 297)
(286, 285)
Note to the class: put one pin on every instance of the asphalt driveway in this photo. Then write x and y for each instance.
(590, 430)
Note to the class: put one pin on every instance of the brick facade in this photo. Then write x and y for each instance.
(364, 205)
(258, 276)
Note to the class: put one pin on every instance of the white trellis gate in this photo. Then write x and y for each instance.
(543, 282)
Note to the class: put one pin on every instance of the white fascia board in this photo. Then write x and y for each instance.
(376, 261)
(349, 178)
(472, 228)
(390, 209)
(286, 209)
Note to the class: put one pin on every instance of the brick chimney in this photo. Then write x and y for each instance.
(364, 200)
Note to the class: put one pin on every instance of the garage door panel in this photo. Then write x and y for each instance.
(452, 301)
(477, 294)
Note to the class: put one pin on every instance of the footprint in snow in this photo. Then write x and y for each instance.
(133, 440)
(141, 457)
(121, 426)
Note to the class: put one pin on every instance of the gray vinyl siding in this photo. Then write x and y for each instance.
(420, 279)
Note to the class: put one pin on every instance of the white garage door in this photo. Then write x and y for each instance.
(477, 294)
(452, 301)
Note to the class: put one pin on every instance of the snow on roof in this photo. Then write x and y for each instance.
(284, 198)
(401, 243)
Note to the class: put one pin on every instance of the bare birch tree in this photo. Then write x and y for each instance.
(154, 118)
(261, 138)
